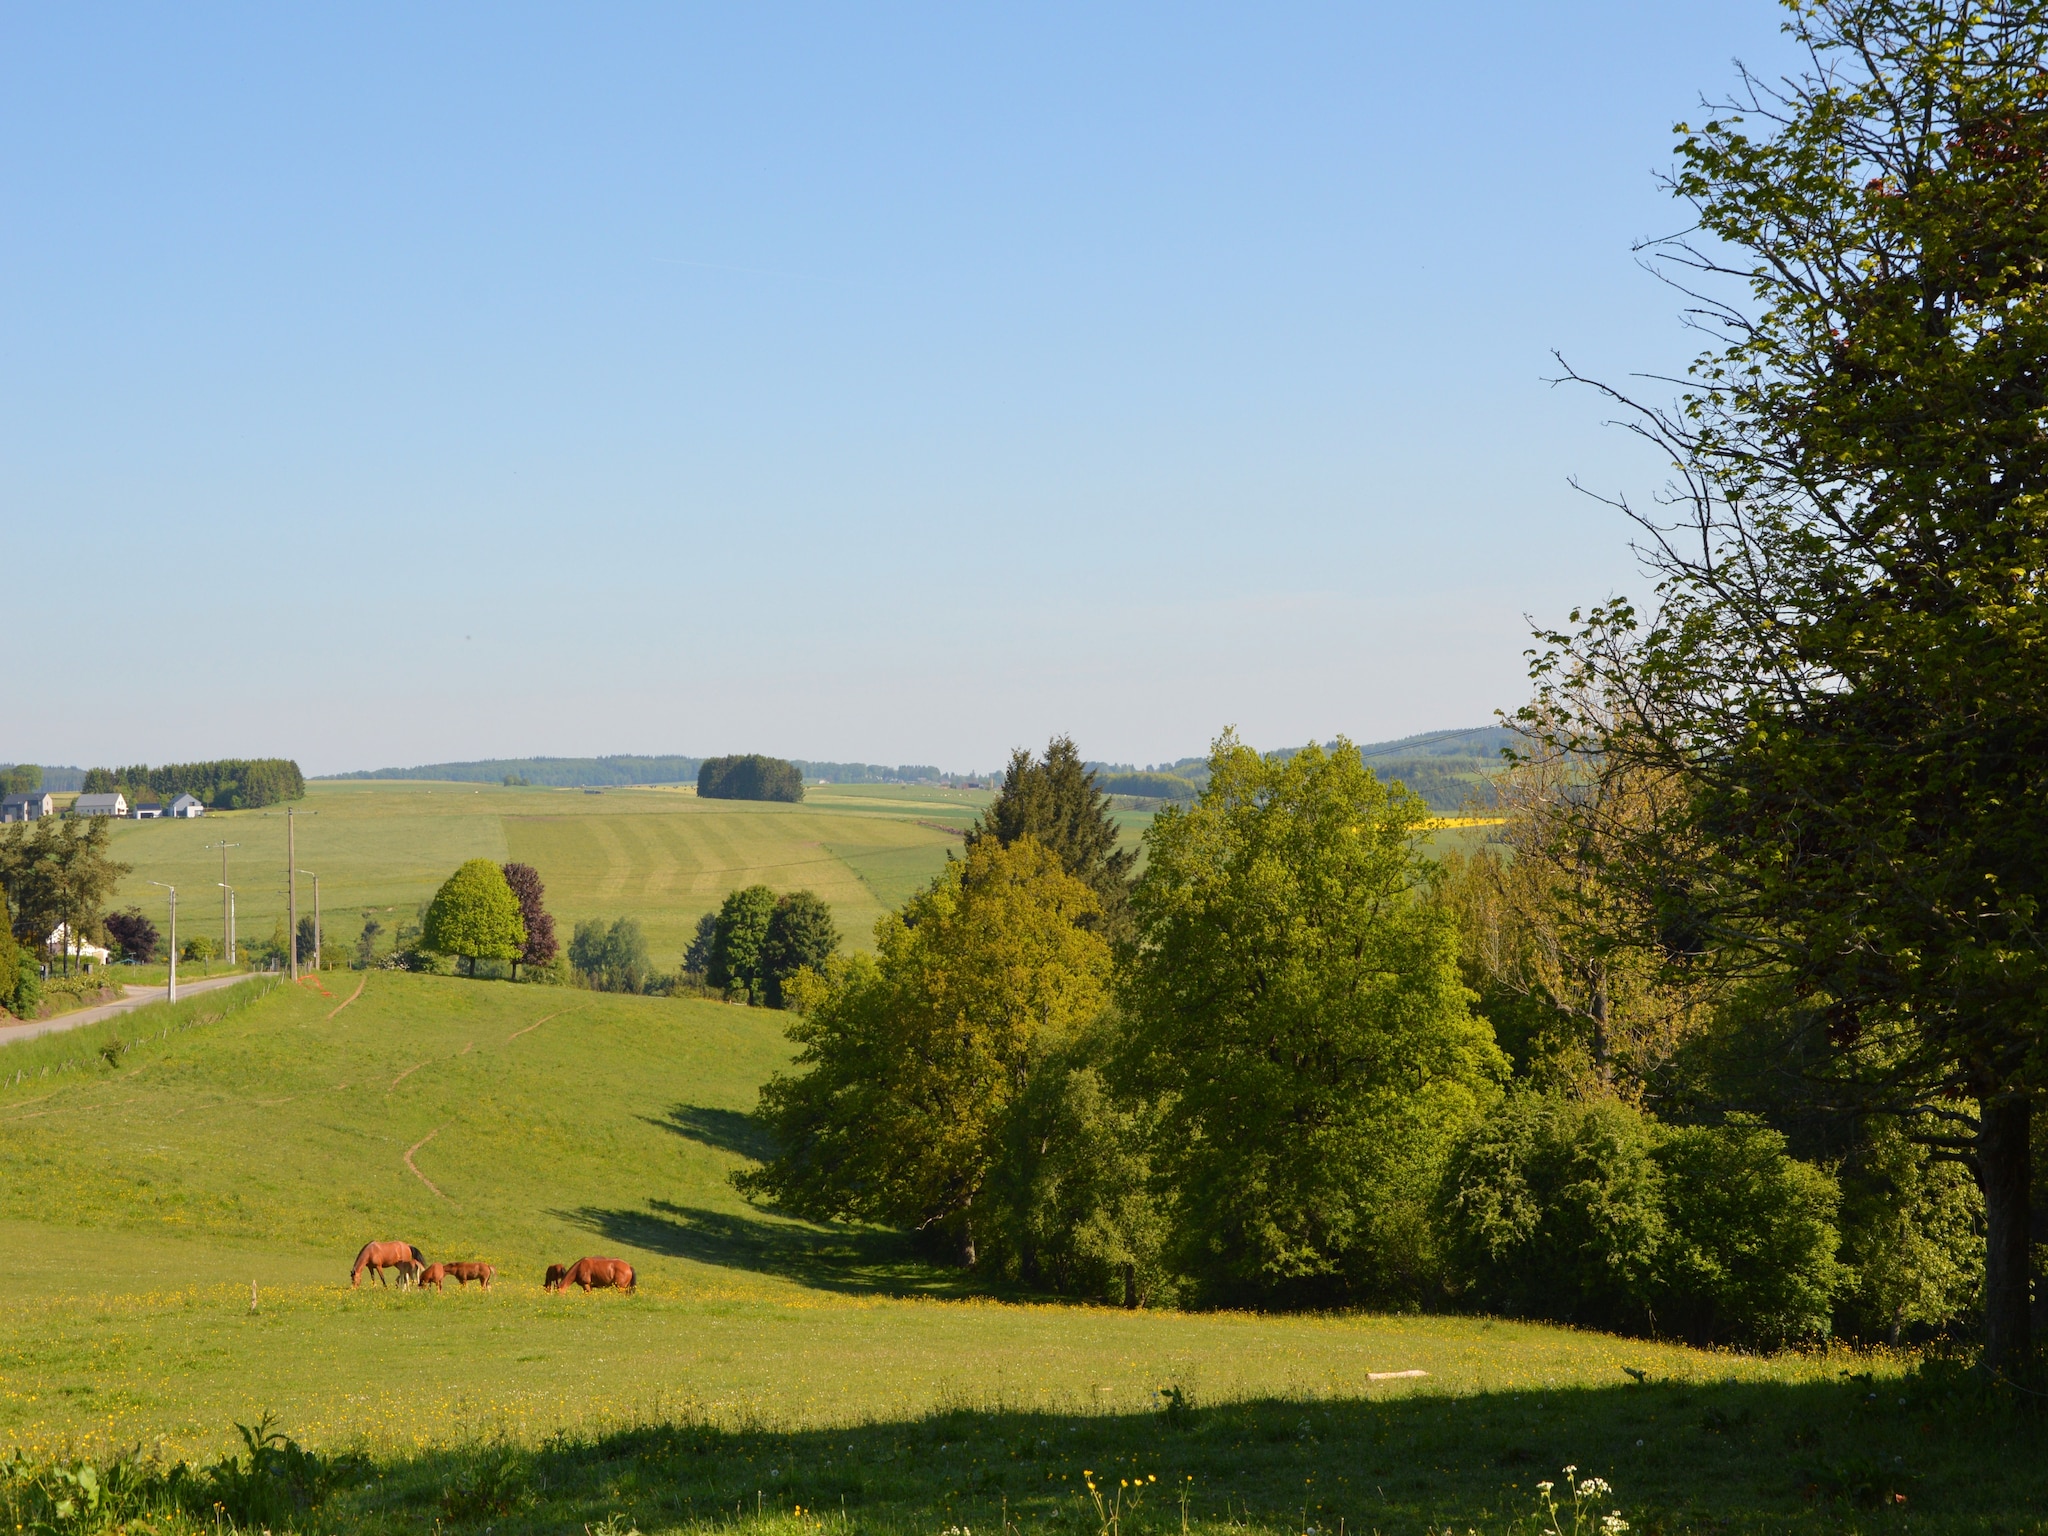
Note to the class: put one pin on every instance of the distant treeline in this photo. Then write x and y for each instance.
(1449, 769)
(598, 772)
(230, 784)
(27, 778)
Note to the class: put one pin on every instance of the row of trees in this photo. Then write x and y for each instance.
(1254, 1076)
(229, 784)
(757, 943)
(487, 911)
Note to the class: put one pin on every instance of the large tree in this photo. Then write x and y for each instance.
(914, 1062)
(540, 946)
(801, 936)
(475, 915)
(1055, 801)
(1846, 669)
(1295, 1010)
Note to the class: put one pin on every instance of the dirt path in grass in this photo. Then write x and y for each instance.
(136, 998)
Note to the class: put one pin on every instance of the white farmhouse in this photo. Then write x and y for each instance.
(185, 807)
(61, 942)
(115, 804)
(27, 807)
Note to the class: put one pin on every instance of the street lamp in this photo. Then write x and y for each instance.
(227, 901)
(174, 936)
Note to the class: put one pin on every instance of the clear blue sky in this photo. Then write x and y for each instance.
(389, 384)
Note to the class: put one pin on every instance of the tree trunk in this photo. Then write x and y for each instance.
(966, 1243)
(1130, 1287)
(2005, 1173)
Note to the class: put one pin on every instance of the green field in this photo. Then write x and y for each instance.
(659, 855)
(263, 1134)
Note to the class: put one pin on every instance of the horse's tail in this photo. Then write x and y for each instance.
(417, 1256)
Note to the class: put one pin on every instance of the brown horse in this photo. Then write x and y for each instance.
(432, 1275)
(462, 1274)
(591, 1274)
(378, 1257)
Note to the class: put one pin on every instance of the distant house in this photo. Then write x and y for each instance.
(27, 807)
(61, 942)
(115, 804)
(185, 807)
(148, 810)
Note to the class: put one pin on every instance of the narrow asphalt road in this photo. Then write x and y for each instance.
(137, 996)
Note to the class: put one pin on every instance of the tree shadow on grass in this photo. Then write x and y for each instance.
(1726, 1457)
(834, 1258)
(726, 1130)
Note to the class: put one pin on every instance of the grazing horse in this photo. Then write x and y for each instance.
(432, 1275)
(591, 1274)
(462, 1274)
(378, 1257)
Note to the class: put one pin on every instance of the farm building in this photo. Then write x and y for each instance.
(27, 807)
(185, 807)
(115, 804)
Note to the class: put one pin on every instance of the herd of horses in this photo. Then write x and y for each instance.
(414, 1271)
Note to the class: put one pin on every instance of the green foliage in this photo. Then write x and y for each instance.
(1070, 1201)
(1593, 1213)
(230, 784)
(1910, 1223)
(913, 1063)
(1554, 1207)
(1297, 1014)
(752, 777)
(13, 963)
(56, 870)
(1753, 1237)
(1056, 802)
(475, 915)
(199, 950)
(1845, 665)
(801, 936)
(21, 779)
(612, 957)
(738, 938)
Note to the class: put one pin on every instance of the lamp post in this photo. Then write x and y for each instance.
(174, 936)
(319, 944)
(227, 901)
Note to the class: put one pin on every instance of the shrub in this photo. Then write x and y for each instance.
(1554, 1208)
(198, 950)
(1752, 1253)
(1593, 1213)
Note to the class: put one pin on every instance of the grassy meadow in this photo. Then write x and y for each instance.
(151, 1169)
(659, 855)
